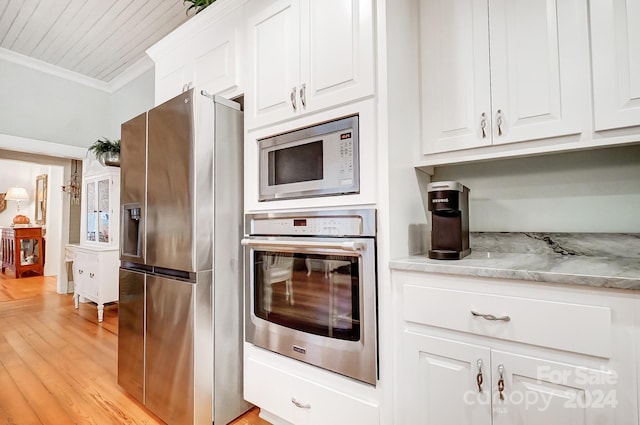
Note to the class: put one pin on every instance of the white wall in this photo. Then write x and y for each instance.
(131, 100)
(21, 174)
(41, 106)
(587, 191)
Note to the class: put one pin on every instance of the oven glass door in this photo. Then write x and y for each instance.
(310, 292)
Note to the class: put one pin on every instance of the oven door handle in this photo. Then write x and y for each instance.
(345, 246)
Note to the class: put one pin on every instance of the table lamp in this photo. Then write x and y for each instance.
(18, 194)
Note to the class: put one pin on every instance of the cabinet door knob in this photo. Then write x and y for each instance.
(91, 275)
(294, 104)
(80, 271)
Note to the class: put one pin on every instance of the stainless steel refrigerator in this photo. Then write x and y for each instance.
(179, 328)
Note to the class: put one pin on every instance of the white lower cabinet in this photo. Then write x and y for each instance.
(95, 276)
(460, 383)
(494, 367)
(287, 395)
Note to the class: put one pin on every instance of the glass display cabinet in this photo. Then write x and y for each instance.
(101, 216)
(23, 250)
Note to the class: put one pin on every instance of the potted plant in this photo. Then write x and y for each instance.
(197, 5)
(106, 151)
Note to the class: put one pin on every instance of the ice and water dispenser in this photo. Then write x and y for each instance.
(132, 231)
(448, 203)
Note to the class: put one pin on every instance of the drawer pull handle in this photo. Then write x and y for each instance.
(491, 316)
(300, 405)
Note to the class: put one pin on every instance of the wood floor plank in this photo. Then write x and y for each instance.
(58, 365)
(96, 378)
(46, 407)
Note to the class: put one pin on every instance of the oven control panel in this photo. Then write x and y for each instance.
(308, 226)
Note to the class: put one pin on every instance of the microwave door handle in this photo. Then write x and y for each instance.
(345, 246)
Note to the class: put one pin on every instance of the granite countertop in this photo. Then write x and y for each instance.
(610, 260)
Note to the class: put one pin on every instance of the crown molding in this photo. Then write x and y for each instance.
(128, 75)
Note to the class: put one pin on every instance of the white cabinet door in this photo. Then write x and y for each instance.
(274, 57)
(337, 58)
(540, 392)
(615, 50)
(217, 68)
(439, 382)
(501, 71)
(85, 267)
(539, 85)
(171, 83)
(455, 89)
(307, 55)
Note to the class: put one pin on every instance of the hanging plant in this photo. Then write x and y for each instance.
(197, 5)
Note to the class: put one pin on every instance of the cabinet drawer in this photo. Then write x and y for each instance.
(84, 258)
(573, 327)
(317, 403)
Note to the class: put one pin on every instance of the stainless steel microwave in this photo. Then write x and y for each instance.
(319, 160)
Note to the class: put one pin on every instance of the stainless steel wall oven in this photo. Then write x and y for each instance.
(311, 288)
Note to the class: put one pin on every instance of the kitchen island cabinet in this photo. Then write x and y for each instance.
(307, 55)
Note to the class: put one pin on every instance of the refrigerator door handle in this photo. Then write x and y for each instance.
(175, 274)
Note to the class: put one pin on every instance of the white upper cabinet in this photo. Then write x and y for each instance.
(205, 52)
(501, 71)
(615, 49)
(307, 55)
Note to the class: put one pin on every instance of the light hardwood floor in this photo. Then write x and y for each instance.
(58, 365)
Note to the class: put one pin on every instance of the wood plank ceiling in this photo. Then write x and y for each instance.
(96, 38)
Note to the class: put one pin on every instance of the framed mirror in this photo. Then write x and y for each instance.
(41, 199)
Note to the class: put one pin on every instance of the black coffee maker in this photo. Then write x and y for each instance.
(449, 205)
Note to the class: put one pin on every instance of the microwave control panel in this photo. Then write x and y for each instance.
(346, 158)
